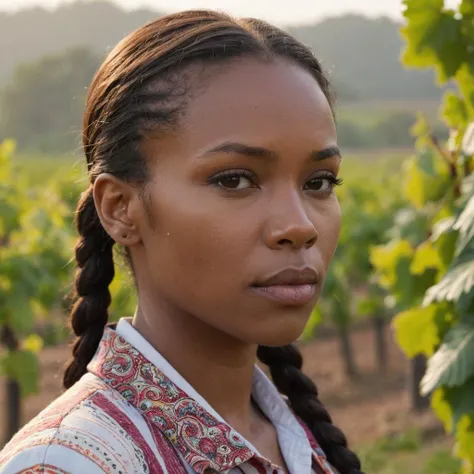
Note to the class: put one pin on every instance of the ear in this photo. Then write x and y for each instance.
(116, 202)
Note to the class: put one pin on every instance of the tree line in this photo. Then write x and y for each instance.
(44, 77)
(363, 54)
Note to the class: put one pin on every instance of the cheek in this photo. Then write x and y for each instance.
(197, 241)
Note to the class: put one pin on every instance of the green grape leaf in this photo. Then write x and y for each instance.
(465, 307)
(427, 161)
(422, 7)
(455, 408)
(417, 330)
(465, 225)
(421, 187)
(467, 184)
(434, 37)
(410, 289)
(458, 280)
(453, 362)
(384, 259)
(444, 239)
(420, 128)
(448, 42)
(442, 38)
(454, 111)
(442, 227)
(392, 263)
(22, 366)
(426, 257)
(415, 190)
(460, 401)
(442, 408)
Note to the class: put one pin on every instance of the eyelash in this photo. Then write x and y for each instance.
(238, 173)
(243, 173)
(334, 181)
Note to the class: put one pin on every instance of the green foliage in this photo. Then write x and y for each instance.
(452, 364)
(408, 453)
(54, 83)
(426, 178)
(429, 271)
(454, 110)
(122, 289)
(34, 253)
(441, 462)
(368, 202)
(397, 266)
(437, 37)
(22, 366)
(419, 330)
(37, 239)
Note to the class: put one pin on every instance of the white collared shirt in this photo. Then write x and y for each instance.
(294, 443)
(133, 413)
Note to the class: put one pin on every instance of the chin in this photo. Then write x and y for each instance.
(279, 336)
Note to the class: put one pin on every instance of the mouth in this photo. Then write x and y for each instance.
(291, 286)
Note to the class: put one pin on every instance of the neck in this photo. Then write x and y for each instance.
(219, 367)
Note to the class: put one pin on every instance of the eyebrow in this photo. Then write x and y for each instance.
(261, 152)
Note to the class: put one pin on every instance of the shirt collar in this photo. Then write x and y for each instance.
(129, 364)
(203, 440)
(126, 331)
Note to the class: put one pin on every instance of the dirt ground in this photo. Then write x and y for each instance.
(374, 405)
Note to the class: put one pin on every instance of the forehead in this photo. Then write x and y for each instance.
(260, 102)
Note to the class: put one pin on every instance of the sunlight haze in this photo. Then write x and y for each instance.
(299, 11)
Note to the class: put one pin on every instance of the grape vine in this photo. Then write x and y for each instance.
(428, 265)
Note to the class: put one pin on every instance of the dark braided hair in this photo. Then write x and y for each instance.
(141, 89)
(285, 363)
(94, 274)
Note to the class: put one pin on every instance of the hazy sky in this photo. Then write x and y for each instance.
(278, 11)
(281, 11)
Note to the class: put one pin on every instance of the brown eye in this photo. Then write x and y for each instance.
(234, 182)
(320, 184)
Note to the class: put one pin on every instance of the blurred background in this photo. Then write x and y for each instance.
(391, 345)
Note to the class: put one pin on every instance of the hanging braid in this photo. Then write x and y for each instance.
(95, 273)
(285, 363)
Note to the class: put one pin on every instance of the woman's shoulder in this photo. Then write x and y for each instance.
(87, 429)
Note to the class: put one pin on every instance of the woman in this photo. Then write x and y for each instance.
(212, 156)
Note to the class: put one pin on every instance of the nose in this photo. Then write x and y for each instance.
(289, 226)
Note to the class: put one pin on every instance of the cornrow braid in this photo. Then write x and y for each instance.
(285, 363)
(95, 272)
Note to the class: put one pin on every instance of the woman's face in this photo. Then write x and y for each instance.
(246, 220)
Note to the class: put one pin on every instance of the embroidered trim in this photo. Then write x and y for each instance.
(203, 441)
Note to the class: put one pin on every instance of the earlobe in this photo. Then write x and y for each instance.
(113, 198)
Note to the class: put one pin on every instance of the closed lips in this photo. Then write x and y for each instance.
(290, 277)
(289, 287)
